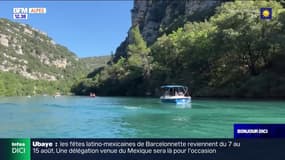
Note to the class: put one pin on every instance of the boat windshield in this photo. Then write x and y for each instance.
(175, 91)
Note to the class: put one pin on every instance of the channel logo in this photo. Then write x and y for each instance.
(22, 13)
(37, 10)
(18, 148)
(266, 13)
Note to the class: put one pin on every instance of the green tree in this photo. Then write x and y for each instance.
(2, 87)
(242, 34)
(138, 53)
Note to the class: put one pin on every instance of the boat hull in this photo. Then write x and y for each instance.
(176, 100)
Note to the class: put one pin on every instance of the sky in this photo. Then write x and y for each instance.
(87, 28)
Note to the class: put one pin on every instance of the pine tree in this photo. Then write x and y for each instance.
(138, 52)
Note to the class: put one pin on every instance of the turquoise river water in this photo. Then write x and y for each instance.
(116, 117)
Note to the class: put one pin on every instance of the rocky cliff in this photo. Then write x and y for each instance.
(30, 53)
(156, 17)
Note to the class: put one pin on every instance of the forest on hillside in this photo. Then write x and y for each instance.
(15, 85)
(234, 53)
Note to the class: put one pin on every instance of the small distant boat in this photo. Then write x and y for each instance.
(92, 95)
(57, 95)
(175, 94)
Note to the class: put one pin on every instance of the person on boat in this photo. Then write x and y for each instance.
(167, 93)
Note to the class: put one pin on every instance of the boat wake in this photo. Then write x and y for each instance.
(181, 119)
(56, 106)
(132, 107)
(8, 104)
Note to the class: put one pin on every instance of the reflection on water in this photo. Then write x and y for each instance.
(129, 117)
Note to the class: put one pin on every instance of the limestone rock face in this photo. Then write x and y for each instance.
(4, 40)
(198, 5)
(30, 53)
(60, 63)
(156, 17)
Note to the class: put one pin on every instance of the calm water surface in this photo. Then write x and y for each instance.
(74, 117)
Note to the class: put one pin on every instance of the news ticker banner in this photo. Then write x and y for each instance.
(142, 149)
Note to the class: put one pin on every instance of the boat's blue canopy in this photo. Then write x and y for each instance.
(172, 86)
